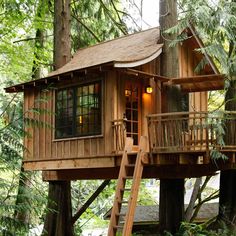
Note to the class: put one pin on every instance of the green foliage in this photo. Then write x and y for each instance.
(93, 217)
(96, 21)
(20, 192)
(215, 22)
(19, 21)
(189, 229)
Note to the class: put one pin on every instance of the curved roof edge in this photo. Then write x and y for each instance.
(120, 64)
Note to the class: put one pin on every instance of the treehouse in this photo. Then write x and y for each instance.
(111, 91)
(103, 116)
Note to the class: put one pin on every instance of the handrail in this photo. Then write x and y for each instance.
(119, 134)
(190, 113)
(188, 131)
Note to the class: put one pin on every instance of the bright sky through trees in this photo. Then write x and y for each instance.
(144, 12)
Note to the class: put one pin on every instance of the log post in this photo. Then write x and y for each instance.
(171, 206)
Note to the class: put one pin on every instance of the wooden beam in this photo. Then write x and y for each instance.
(90, 200)
(199, 88)
(70, 164)
(196, 79)
(146, 74)
(170, 171)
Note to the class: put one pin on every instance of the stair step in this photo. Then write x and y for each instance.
(131, 166)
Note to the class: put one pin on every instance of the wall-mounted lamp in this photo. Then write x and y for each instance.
(127, 92)
(148, 89)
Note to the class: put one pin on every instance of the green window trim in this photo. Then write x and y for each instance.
(78, 111)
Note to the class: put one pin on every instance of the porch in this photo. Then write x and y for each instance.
(196, 133)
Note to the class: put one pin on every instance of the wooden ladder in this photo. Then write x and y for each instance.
(126, 164)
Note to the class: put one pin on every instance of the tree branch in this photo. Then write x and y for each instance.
(87, 28)
(114, 21)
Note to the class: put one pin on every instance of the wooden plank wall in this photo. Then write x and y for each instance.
(188, 60)
(40, 142)
(150, 102)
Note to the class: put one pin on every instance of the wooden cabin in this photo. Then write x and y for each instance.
(100, 116)
(111, 91)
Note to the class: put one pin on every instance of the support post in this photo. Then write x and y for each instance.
(171, 210)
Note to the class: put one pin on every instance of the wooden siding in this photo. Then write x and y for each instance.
(40, 143)
(188, 60)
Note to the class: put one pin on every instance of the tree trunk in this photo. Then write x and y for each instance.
(22, 199)
(59, 217)
(189, 210)
(171, 208)
(227, 196)
(62, 37)
(171, 204)
(171, 96)
(58, 220)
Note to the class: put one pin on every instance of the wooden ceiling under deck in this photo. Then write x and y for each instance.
(159, 165)
(158, 171)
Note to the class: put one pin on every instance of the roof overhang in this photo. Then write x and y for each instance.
(188, 84)
(199, 83)
(143, 61)
(50, 80)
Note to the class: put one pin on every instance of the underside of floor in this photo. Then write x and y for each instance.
(158, 166)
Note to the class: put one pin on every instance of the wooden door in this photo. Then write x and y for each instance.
(133, 109)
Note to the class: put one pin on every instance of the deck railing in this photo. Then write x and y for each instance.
(191, 131)
(119, 134)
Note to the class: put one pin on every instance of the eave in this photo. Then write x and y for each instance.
(199, 83)
(50, 80)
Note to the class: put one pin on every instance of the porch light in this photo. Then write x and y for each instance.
(127, 92)
(80, 119)
(148, 89)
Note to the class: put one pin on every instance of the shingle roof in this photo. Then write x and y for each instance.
(127, 49)
(145, 214)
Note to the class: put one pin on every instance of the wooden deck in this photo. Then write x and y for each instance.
(192, 132)
(180, 144)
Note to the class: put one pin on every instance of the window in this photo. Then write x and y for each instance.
(78, 111)
(132, 108)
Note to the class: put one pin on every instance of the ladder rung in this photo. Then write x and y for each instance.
(123, 201)
(125, 189)
(129, 177)
(120, 214)
(118, 226)
(130, 165)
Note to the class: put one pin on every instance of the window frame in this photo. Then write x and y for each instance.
(74, 134)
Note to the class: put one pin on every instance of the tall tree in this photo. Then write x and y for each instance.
(23, 215)
(216, 21)
(58, 220)
(171, 208)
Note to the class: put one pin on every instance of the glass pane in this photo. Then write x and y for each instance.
(88, 110)
(64, 113)
(91, 89)
(85, 90)
(79, 91)
(132, 106)
(83, 102)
